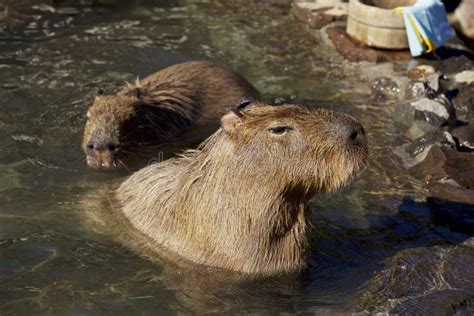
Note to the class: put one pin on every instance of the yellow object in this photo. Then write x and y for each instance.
(429, 45)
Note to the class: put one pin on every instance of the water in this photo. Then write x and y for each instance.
(54, 55)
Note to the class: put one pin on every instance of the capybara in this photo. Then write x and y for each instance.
(158, 109)
(240, 201)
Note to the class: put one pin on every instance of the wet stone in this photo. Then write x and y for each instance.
(458, 217)
(466, 76)
(465, 136)
(455, 65)
(319, 13)
(416, 281)
(421, 72)
(416, 89)
(418, 129)
(463, 102)
(434, 111)
(385, 87)
(356, 51)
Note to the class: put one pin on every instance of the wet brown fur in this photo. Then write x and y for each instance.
(162, 106)
(239, 201)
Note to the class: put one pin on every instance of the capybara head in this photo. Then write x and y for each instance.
(314, 149)
(127, 122)
(104, 131)
(240, 200)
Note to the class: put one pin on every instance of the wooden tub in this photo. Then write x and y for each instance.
(375, 23)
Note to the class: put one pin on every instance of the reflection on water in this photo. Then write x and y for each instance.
(54, 55)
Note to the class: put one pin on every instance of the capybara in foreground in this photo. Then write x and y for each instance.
(158, 109)
(239, 201)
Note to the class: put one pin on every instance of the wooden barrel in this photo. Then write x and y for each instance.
(375, 23)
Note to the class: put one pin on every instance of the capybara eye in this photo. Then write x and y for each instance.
(113, 147)
(280, 130)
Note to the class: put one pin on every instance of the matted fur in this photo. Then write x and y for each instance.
(239, 201)
(162, 106)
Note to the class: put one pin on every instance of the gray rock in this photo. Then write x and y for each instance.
(455, 64)
(416, 89)
(432, 81)
(465, 136)
(418, 129)
(436, 111)
(466, 76)
(464, 102)
(383, 87)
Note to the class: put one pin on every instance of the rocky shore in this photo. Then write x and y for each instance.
(435, 104)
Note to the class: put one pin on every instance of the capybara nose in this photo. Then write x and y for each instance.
(102, 146)
(356, 133)
(350, 131)
(101, 154)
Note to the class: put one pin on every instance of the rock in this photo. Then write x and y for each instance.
(418, 145)
(455, 64)
(466, 76)
(385, 86)
(421, 72)
(458, 217)
(356, 51)
(416, 90)
(319, 13)
(417, 155)
(420, 281)
(460, 167)
(448, 175)
(432, 81)
(418, 129)
(434, 111)
(465, 136)
(464, 102)
(450, 192)
(465, 17)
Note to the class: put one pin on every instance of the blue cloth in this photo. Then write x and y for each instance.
(427, 26)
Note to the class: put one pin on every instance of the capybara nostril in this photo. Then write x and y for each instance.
(356, 132)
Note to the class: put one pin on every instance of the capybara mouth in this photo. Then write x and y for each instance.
(102, 163)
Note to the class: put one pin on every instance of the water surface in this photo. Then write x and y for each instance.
(54, 55)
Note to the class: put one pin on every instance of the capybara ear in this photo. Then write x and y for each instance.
(230, 122)
(136, 92)
(100, 92)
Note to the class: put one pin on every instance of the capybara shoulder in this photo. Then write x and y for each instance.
(239, 201)
(158, 109)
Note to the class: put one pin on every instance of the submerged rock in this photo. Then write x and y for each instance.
(385, 87)
(457, 216)
(463, 102)
(319, 13)
(438, 111)
(465, 136)
(421, 281)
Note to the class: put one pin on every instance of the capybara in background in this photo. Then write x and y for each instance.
(158, 109)
(240, 201)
